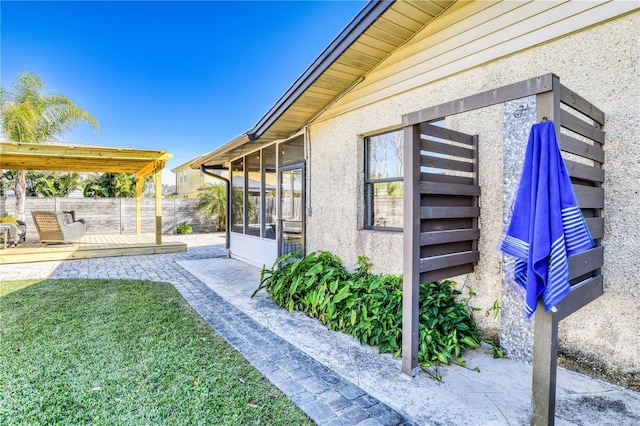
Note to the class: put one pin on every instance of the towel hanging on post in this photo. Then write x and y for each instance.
(547, 225)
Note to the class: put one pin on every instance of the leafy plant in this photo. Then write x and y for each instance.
(369, 306)
(213, 202)
(495, 348)
(238, 206)
(51, 184)
(7, 181)
(184, 228)
(494, 310)
(111, 185)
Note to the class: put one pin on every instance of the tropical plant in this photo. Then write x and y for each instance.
(7, 181)
(51, 184)
(369, 306)
(110, 185)
(68, 182)
(213, 203)
(184, 228)
(29, 114)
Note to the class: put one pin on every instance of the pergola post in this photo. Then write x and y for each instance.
(139, 187)
(157, 181)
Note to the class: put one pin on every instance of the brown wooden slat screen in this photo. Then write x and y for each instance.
(448, 203)
(578, 147)
(441, 212)
(596, 227)
(581, 136)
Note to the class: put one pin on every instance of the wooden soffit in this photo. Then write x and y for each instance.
(80, 158)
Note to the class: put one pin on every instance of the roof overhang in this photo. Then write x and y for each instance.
(378, 29)
(81, 158)
(223, 154)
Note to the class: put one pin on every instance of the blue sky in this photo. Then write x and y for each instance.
(182, 76)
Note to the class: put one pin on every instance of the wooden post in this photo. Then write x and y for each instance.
(157, 181)
(411, 252)
(545, 366)
(139, 187)
(545, 334)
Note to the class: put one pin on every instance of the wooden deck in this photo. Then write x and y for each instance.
(89, 246)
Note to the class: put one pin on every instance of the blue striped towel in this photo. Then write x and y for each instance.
(547, 225)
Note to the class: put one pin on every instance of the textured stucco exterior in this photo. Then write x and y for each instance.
(601, 64)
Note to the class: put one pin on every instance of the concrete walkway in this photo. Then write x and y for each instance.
(329, 375)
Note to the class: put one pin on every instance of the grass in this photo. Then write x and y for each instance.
(123, 352)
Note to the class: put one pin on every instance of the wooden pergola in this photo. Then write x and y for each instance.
(92, 158)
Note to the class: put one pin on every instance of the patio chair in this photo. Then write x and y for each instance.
(58, 227)
(15, 231)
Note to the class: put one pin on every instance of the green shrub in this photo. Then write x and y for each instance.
(369, 307)
(184, 228)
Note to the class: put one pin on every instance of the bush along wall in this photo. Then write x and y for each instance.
(369, 307)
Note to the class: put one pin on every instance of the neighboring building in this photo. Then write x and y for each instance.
(332, 145)
(190, 182)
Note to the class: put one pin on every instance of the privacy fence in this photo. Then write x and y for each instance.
(116, 215)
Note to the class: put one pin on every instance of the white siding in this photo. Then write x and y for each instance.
(471, 34)
(253, 250)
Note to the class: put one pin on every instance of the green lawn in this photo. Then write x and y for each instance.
(123, 352)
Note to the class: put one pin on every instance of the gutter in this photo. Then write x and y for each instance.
(205, 169)
(367, 16)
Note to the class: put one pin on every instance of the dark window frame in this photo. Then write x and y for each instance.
(247, 198)
(263, 215)
(234, 225)
(369, 185)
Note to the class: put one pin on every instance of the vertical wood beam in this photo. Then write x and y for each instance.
(122, 213)
(545, 366)
(157, 182)
(545, 334)
(411, 249)
(139, 187)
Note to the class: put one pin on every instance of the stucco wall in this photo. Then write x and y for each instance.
(600, 64)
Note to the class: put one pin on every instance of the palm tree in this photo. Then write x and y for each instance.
(30, 115)
(213, 202)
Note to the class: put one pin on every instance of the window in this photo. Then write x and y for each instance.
(292, 151)
(384, 188)
(254, 192)
(237, 196)
(269, 155)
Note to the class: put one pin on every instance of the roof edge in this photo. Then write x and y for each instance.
(367, 16)
(203, 159)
